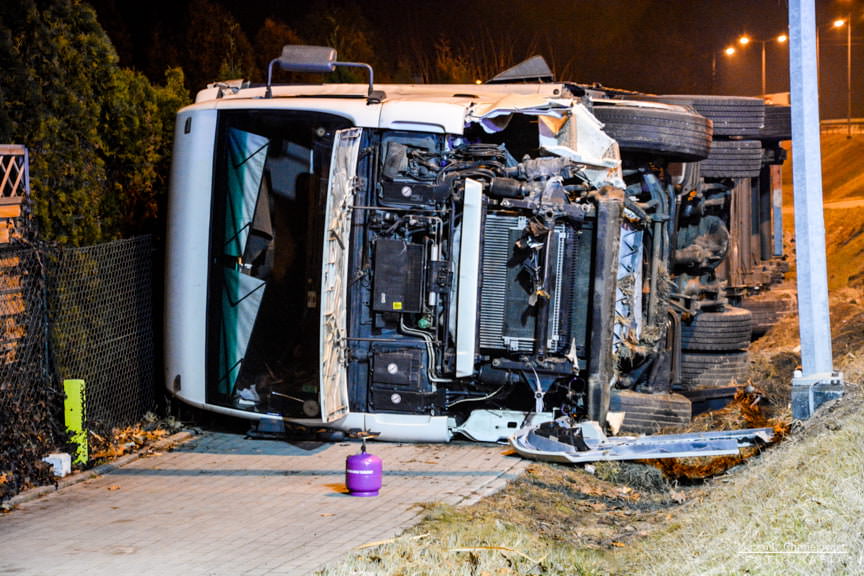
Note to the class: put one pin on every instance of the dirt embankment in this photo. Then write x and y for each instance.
(775, 356)
(843, 194)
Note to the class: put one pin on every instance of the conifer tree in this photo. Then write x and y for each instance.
(99, 136)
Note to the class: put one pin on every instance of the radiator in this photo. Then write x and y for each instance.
(506, 319)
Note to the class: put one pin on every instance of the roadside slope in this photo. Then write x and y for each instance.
(798, 509)
(843, 194)
(842, 169)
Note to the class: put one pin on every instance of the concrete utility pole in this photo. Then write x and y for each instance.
(818, 382)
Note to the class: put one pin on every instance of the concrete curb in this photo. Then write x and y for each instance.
(78, 477)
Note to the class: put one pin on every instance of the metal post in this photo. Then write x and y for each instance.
(818, 382)
(849, 76)
(763, 69)
(714, 72)
(75, 409)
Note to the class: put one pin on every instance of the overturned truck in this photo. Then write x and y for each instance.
(424, 261)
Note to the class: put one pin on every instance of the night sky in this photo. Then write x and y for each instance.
(662, 46)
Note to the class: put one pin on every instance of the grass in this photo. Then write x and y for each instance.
(798, 510)
(552, 520)
(842, 180)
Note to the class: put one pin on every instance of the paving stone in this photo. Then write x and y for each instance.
(224, 504)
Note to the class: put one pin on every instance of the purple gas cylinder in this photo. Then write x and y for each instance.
(363, 473)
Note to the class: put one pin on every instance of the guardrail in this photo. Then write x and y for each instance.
(853, 126)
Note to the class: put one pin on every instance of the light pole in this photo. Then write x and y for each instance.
(745, 40)
(839, 23)
(849, 76)
(729, 51)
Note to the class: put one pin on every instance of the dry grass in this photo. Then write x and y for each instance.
(744, 411)
(552, 520)
(797, 510)
(842, 166)
(775, 356)
(842, 181)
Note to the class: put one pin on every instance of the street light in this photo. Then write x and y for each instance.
(744, 40)
(728, 51)
(839, 23)
(836, 24)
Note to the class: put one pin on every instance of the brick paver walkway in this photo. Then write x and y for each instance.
(225, 505)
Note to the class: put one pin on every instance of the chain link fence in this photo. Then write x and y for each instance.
(84, 313)
(30, 402)
(100, 309)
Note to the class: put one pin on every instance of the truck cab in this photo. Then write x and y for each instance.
(418, 261)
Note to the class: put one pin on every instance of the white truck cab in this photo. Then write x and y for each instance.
(415, 261)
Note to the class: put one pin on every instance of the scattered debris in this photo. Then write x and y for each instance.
(561, 441)
(746, 409)
(61, 463)
(121, 441)
(499, 549)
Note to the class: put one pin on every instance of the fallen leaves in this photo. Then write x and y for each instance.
(498, 549)
(745, 411)
(122, 441)
(392, 540)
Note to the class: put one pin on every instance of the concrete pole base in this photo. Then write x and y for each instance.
(810, 392)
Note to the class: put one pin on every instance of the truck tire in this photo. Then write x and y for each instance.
(733, 159)
(767, 311)
(778, 123)
(674, 133)
(726, 330)
(731, 115)
(648, 413)
(765, 315)
(714, 369)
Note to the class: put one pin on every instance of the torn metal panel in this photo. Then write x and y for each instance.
(566, 129)
(581, 139)
(585, 442)
(493, 116)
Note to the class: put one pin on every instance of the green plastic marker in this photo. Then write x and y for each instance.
(74, 407)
